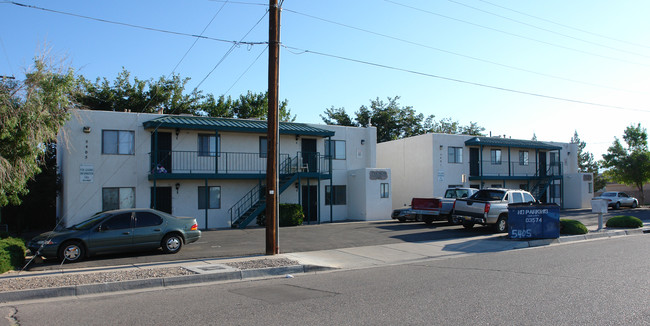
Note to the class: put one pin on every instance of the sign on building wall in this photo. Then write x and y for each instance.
(86, 173)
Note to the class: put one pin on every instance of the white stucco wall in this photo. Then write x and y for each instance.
(410, 163)
(80, 199)
(365, 200)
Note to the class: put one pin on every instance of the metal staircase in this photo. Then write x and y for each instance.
(254, 202)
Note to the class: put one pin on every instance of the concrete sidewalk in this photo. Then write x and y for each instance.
(216, 270)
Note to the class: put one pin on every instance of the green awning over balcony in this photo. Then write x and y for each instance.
(236, 125)
(508, 142)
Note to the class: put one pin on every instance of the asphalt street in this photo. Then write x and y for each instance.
(602, 282)
(251, 241)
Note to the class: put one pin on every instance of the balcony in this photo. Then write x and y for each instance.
(513, 170)
(232, 165)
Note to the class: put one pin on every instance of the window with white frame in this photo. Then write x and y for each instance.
(213, 195)
(495, 156)
(338, 196)
(384, 190)
(523, 157)
(337, 149)
(117, 198)
(120, 142)
(209, 145)
(455, 154)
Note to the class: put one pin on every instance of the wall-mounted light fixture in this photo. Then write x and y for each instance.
(177, 186)
(297, 136)
(178, 131)
(363, 141)
(297, 185)
(441, 146)
(86, 130)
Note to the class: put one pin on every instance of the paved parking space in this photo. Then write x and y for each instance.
(249, 242)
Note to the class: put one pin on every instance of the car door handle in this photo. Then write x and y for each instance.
(126, 233)
(156, 229)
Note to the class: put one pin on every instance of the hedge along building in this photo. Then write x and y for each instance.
(426, 165)
(214, 169)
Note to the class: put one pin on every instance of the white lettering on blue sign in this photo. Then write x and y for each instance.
(520, 234)
(532, 211)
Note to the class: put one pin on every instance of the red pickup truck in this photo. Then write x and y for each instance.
(422, 210)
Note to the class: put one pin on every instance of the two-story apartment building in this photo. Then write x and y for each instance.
(214, 169)
(426, 165)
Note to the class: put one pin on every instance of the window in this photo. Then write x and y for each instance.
(338, 195)
(117, 198)
(384, 190)
(495, 156)
(145, 219)
(214, 196)
(523, 157)
(528, 198)
(263, 146)
(120, 142)
(517, 197)
(338, 149)
(455, 154)
(590, 187)
(209, 145)
(118, 222)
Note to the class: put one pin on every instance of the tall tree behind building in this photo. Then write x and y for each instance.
(587, 163)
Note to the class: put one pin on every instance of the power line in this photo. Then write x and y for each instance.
(463, 81)
(197, 39)
(456, 53)
(247, 69)
(516, 35)
(566, 26)
(548, 30)
(133, 25)
(231, 49)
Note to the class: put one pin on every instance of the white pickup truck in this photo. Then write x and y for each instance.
(489, 207)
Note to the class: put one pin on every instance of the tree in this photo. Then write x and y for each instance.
(534, 137)
(126, 94)
(394, 121)
(587, 163)
(631, 165)
(146, 96)
(31, 113)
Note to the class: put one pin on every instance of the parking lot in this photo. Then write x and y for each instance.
(248, 242)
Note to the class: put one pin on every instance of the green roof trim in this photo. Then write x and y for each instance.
(237, 125)
(509, 142)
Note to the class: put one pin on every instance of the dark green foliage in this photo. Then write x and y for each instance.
(31, 113)
(572, 227)
(395, 122)
(629, 165)
(290, 215)
(624, 221)
(12, 254)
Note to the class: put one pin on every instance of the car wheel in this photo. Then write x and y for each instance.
(428, 220)
(172, 243)
(401, 219)
(502, 224)
(450, 220)
(71, 251)
(468, 225)
(634, 204)
(617, 206)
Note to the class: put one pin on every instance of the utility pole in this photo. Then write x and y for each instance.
(272, 188)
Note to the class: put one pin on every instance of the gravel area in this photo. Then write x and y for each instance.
(72, 279)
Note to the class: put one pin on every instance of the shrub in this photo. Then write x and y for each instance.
(572, 227)
(12, 254)
(624, 221)
(290, 215)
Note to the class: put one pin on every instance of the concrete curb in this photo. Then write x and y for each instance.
(85, 289)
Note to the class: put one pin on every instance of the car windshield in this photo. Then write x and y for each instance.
(609, 194)
(89, 223)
